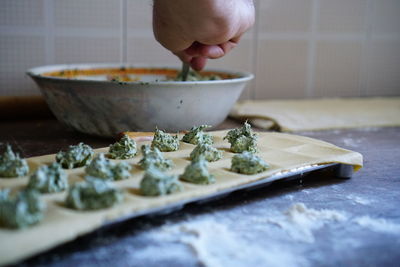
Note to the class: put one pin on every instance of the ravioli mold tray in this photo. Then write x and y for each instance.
(290, 157)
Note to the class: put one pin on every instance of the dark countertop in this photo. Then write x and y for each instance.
(350, 222)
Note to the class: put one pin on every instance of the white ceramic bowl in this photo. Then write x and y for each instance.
(81, 96)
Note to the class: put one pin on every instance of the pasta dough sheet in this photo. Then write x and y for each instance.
(282, 151)
(320, 114)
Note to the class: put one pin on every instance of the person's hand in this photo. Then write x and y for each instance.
(196, 30)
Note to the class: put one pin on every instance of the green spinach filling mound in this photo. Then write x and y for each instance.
(196, 136)
(11, 165)
(125, 148)
(194, 76)
(21, 210)
(197, 172)
(101, 167)
(242, 139)
(154, 157)
(93, 194)
(165, 142)
(209, 152)
(248, 163)
(75, 157)
(157, 183)
(49, 179)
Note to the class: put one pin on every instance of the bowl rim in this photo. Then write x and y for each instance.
(36, 72)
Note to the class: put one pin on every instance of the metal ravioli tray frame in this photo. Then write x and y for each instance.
(339, 170)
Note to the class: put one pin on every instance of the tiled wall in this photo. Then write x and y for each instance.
(297, 49)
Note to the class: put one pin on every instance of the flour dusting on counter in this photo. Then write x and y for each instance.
(351, 142)
(369, 129)
(359, 200)
(378, 225)
(300, 222)
(215, 245)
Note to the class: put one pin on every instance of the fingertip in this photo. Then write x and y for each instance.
(198, 63)
(212, 51)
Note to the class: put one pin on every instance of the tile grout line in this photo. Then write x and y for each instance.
(364, 61)
(317, 36)
(61, 31)
(96, 32)
(49, 32)
(252, 93)
(124, 31)
(310, 86)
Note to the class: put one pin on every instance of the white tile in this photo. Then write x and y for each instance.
(281, 69)
(21, 13)
(386, 17)
(285, 15)
(18, 54)
(384, 68)
(342, 16)
(87, 50)
(337, 69)
(87, 13)
(139, 15)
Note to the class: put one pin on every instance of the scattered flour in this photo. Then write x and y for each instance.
(378, 225)
(359, 200)
(351, 142)
(338, 131)
(370, 129)
(215, 245)
(299, 221)
(290, 197)
(306, 191)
